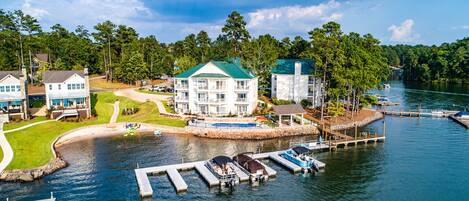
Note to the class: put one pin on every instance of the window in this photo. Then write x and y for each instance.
(241, 97)
(60, 86)
(241, 84)
(82, 86)
(220, 97)
(220, 84)
(73, 86)
(69, 86)
(7, 88)
(2, 88)
(50, 86)
(18, 88)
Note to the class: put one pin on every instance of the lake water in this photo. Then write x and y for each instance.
(422, 159)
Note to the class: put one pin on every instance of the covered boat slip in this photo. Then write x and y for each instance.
(180, 185)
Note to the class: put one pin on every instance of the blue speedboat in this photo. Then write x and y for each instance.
(299, 156)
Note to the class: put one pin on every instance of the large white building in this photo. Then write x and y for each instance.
(217, 88)
(292, 79)
(13, 95)
(67, 92)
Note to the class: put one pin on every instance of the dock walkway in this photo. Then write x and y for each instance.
(180, 185)
(463, 122)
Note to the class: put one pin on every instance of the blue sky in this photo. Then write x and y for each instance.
(391, 21)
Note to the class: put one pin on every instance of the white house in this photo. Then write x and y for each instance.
(67, 93)
(292, 79)
(217, 88)
(13, 95)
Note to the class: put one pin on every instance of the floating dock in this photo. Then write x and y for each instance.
(438, 114)
(463, 122)
(180, 185)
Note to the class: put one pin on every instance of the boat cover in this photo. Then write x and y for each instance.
(221, 160)
(300, 149)
(248, 163)
(463, 113)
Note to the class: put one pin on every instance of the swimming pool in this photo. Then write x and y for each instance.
(233, 125)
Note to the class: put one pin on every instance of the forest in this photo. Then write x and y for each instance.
(350, 64)
(448, 62)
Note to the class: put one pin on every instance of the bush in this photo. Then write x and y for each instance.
(306, 103)
(368, 100)
(276, 101)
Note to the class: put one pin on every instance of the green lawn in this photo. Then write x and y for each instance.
(13, 125)
(155, 92)
(167, 107)
(148, 113)
(32, 146)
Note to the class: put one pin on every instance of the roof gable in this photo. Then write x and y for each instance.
(4, 74)
(233, 70)
(287, 66)
(60, 76)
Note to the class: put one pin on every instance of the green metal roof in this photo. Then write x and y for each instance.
(210, 75)
(189, 72)
(234, 70)
(287, 66)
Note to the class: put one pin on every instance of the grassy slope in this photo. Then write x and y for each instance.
(155, 92)
(31, 146)
(148, 113)
(167, 107)
(103, 84)
(13, 125)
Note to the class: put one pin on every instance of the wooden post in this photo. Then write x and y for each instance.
(291, 120)
(384, 128)
(279, 120)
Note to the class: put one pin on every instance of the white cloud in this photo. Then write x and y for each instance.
(292, 19)
(86, 12)
(404, 32)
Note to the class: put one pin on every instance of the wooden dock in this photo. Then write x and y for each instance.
(180, 185)
(442, 114)
(463, 122)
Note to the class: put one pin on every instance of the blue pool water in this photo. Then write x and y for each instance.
(234, 125)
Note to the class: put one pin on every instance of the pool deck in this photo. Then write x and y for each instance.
(180, 185)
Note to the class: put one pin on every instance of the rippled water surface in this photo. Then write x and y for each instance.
(422, 159)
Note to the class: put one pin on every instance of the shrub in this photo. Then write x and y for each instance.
(306, 103)
(276, 101)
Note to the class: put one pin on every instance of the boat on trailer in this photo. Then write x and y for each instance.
(222, 168)
(299, 155)
(256, 171)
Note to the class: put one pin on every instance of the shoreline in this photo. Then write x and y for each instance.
(359, 123)
(109, 130)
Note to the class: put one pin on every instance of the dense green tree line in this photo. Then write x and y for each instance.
(447, 62)
(350, 63)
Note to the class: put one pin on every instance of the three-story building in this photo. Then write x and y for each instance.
(217, 88)
(293, 79)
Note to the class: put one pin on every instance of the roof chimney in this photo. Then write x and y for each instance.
(85, 71)
(297, 68)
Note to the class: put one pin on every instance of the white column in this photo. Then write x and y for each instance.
(302, 119)
(291, 119)
(279, 120)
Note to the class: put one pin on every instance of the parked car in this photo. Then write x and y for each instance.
(158, 88)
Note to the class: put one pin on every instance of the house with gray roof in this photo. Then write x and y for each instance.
(13, 95)
(292, 79)
(67, 93)
(216, 88)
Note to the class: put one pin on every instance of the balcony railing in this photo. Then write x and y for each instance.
(202, 99)
(182, 86)
(242, 87)
(241, 99)
(218, 88)
(182, 98)
(221, 100)
(203, 87)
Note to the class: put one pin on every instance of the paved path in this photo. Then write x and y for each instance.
(115, 114)
(142, 97)
(7, 150)
(27, 126)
